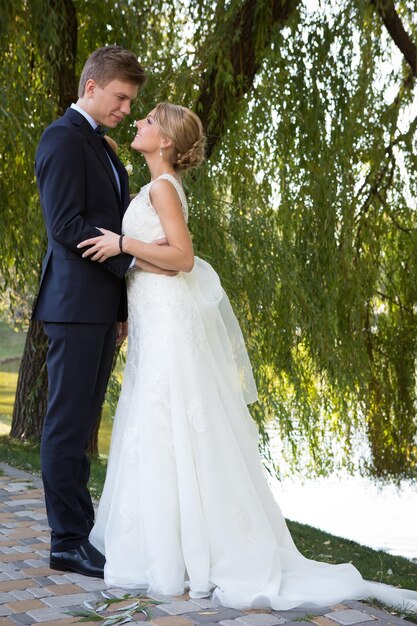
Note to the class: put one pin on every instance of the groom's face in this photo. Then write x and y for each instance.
(110, 104)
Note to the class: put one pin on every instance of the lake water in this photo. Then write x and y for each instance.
(353, 507)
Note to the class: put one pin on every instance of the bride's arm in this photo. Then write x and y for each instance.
(176, 255)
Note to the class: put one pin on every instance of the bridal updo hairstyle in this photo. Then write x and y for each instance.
(185, 130)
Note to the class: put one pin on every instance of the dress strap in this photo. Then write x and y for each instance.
(179, 189)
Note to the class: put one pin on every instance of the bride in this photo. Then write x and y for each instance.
(186, 502)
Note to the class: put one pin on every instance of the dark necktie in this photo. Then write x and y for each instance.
(100, 132)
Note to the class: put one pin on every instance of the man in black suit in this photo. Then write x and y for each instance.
(83, 186)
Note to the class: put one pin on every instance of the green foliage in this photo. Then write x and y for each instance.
(306, 207)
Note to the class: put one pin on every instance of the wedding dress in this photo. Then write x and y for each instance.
(186, 502)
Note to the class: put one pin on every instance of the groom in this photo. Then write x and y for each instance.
(82, 186)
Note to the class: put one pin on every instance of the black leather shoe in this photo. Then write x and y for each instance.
(84, 560)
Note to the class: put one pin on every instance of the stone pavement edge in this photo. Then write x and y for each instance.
(32, 593)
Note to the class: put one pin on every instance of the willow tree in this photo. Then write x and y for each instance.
(305, 205)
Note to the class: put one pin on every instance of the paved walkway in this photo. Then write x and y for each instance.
(32, 593)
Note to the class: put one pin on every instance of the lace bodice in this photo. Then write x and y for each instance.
(141, 221)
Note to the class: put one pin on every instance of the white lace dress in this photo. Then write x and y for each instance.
(186, 502)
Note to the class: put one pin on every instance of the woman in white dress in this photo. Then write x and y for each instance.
(186, 503)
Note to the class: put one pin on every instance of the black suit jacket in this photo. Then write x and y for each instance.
(79, 193)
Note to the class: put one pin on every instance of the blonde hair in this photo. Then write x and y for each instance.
(184, 128)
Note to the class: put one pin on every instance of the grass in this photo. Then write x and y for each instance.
(374, 565)
(11, 343)
(25, 456)
(11, 349)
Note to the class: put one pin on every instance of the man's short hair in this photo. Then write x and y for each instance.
(110, 63)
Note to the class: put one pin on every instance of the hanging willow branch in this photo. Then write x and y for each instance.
(396, 29)
(232, 69)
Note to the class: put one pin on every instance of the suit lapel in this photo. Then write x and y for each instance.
(95, 141)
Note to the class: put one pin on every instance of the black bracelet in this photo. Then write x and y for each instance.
(121, 243)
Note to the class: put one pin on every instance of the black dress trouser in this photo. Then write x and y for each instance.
(79, 363)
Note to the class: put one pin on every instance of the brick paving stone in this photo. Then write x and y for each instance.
(75, 578)
(320, 620)
(5, 597)
(370, 610)
(159, 597)
(69, 600)
(21, 496)
(172, 620)
(23, 619)
(37, 563)
(5, 621)
(349, 616)
(39, 592)
(29, 542)
(61, 590)
(23, 549)
(20, 594)
(178, 608)
(32, 515)
(22, 606)
(5, 612)
(59, 580)
(24, 533)
(22, 503)
(45, 615)
(65, 621)
(7, 550)
(260, 619)
(298, 614)
(15, 575)
(92, 584)
(17, 584)
(156, 612)
(9, 558)
(16, 487)
(44, 554)
(203, 603)
(249, 611)
(7, 567)
(216, 614)
(37, 571)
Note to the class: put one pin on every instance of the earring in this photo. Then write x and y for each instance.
(160, 152)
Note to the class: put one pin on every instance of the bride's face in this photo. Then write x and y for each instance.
(148, 139)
